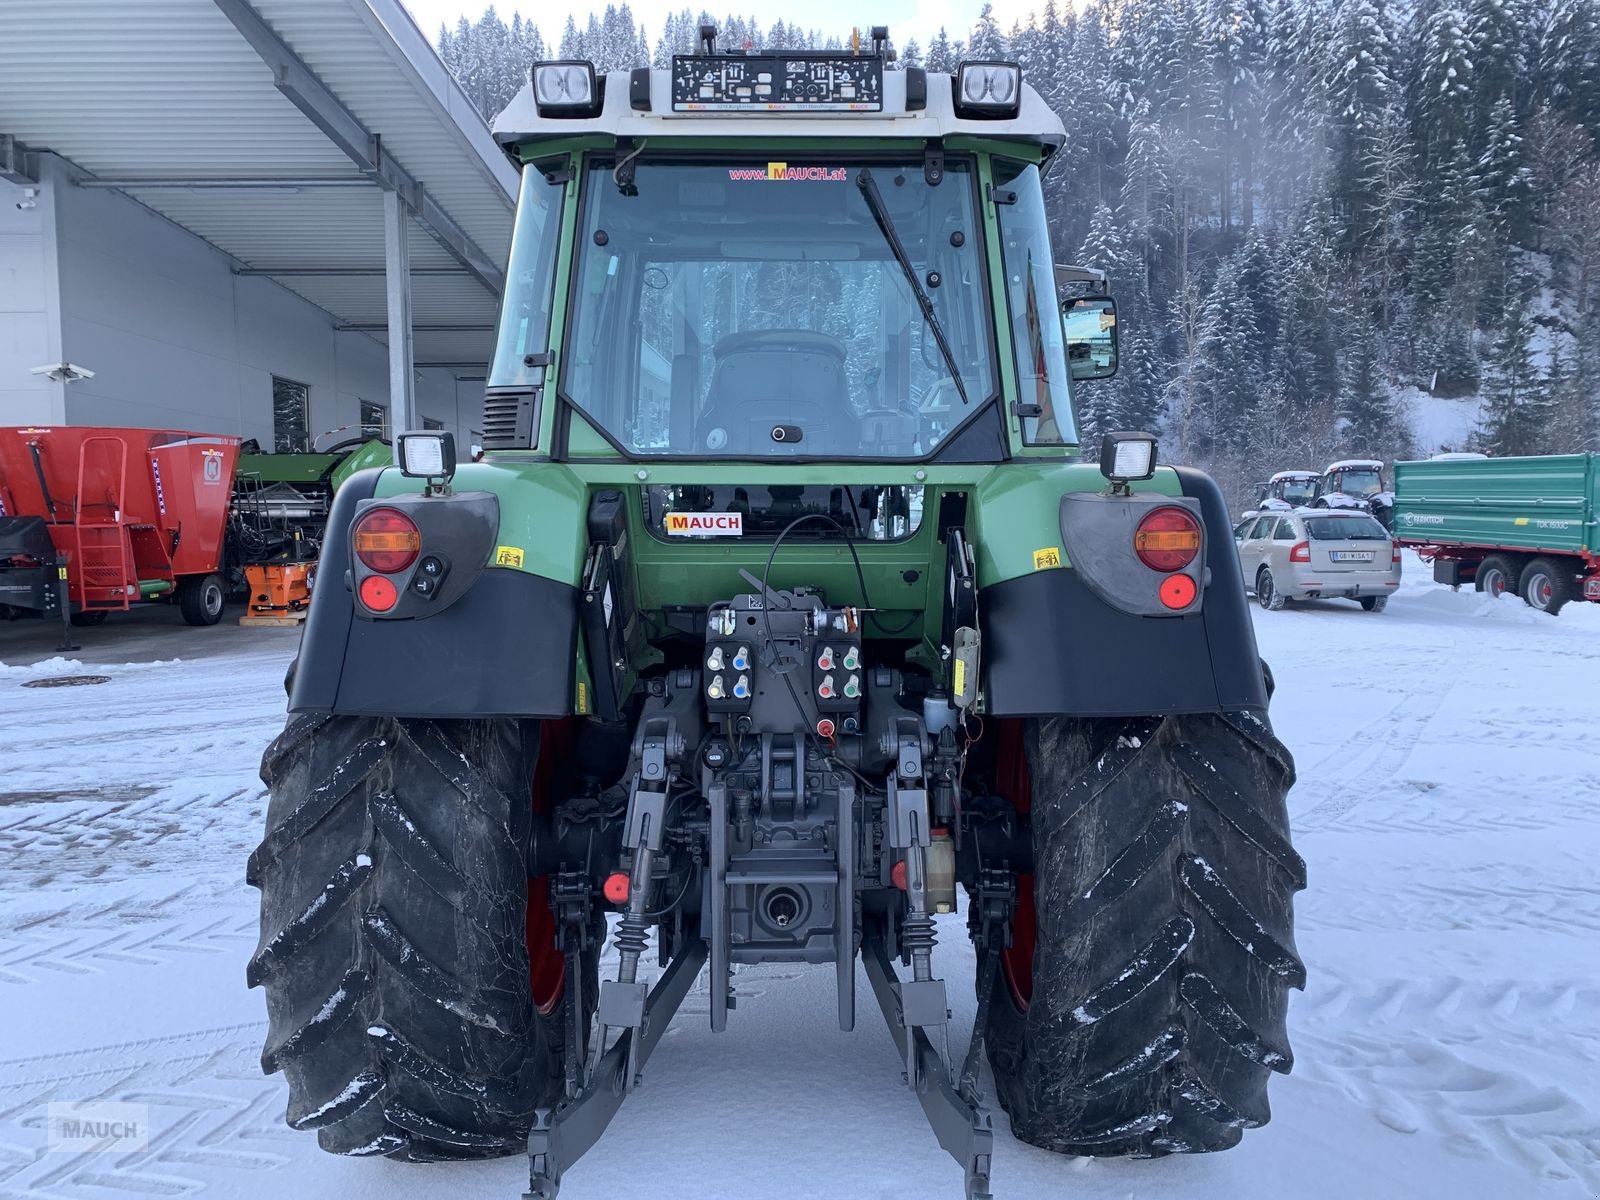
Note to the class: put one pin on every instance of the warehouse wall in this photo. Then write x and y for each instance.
(176, 340)
(29, 332)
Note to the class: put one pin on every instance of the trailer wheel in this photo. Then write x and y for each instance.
(1141, 1007)
(1495, 576)
(201, 599)
(405, 1008)
(1547, 586)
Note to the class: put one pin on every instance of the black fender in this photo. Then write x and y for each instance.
(507, 647)
(1051, 646)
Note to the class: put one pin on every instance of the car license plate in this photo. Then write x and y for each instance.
(1352, 555)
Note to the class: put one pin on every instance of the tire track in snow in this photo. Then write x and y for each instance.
(1411, 1064)
(1498, 897)
(31, 957)
(210, 1108)
(1401, 729)
(1422, 1085)
(49, 842)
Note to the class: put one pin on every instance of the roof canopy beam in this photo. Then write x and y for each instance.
(240, 182)
(340, 272)
(17, 163)
(308, 93)
(382, 327)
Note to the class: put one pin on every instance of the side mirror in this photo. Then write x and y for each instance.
(1090, 324)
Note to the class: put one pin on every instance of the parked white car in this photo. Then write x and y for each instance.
(1313, 553)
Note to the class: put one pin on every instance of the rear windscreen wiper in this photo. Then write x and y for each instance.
(880, 214)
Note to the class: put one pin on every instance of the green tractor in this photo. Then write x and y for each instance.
(779, 615)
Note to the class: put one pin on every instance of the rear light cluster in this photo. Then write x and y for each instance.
(1300, 552)
(386, 541)
(1167, 540)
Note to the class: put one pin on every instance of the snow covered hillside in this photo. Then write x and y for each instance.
(1447, 1045)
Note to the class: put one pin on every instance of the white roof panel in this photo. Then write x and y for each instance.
(172, 90)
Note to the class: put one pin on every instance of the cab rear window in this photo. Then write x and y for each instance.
(1345, 529)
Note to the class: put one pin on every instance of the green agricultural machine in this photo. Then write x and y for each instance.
(780, 619)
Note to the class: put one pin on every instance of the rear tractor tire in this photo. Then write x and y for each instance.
(1141, 1007)
(201, 599)
(397, 921)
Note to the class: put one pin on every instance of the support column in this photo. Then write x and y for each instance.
(397, 278)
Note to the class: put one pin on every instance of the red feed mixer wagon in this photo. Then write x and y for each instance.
(135, 514)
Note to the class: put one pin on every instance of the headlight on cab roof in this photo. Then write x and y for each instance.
(566, 88)
(988, 89)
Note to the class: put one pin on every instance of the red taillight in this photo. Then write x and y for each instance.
(1178, 591)
(378, 593)
(1395, 557)
(1167, 539)
(387, 540)
(1301, 552)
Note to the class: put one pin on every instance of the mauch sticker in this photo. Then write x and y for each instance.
(211, 470)
(782, 170)
(723, 524)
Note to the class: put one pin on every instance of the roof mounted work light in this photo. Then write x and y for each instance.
(1126, 456)
(988, 90)
(426, 455)
(567, 88)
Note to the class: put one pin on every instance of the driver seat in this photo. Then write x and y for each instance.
(769, 377)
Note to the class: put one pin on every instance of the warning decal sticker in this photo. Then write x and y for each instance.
(724, 524)
(1050, 556)
(508, 556)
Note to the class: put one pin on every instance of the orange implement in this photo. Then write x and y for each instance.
(280, 588)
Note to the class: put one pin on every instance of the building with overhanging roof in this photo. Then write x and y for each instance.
(271, 218)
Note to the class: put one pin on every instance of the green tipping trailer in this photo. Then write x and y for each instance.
(1527, 525)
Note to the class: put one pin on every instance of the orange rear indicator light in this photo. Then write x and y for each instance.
(1167, 539)
(386, 540)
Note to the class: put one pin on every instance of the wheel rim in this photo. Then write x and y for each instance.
(213, 599)
(1012, 780)
(1264, 588)
(547, 966)
(1494, 581)
(1541, 591)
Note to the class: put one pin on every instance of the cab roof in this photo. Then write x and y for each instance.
(1035, 123)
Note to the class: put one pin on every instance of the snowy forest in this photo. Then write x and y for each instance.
(1332, 228)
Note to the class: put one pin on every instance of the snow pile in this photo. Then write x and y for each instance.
(51, 667)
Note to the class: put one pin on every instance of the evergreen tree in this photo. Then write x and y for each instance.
(1516, 408)
(1368, 421)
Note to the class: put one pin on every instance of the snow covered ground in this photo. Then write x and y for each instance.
(1448, 1043)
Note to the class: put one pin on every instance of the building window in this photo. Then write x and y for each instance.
(291, 416)
(374, 419)
(430, 423)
